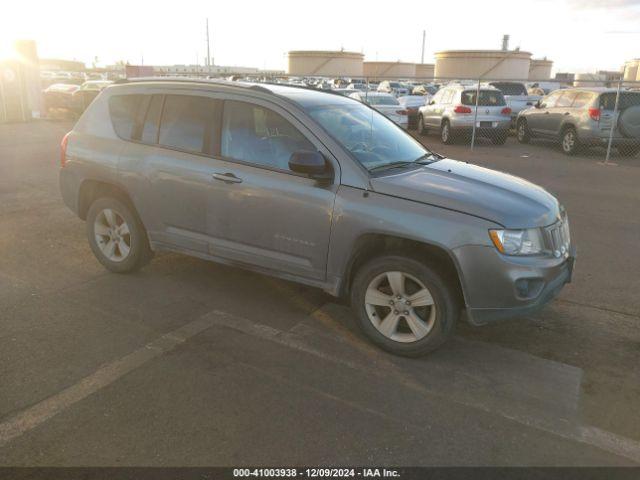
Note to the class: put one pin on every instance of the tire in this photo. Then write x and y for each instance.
(417, 330)
(522, 131)
(446, 135)
(422, 130)
(499, 139)
(628, 150)
(569, 141)
(117, 250)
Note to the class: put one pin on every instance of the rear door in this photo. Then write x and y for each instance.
(167, 168)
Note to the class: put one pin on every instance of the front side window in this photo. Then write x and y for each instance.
(257, 135)
(187, 122)
(370, 137)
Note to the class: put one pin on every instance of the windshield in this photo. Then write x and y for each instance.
(381, 100)
(509, 88)
(373, 139)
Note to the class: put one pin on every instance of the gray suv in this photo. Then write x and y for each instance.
(583, 117)
(452, 112)
(318, 189)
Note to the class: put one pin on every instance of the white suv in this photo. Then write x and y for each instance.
(452, 112)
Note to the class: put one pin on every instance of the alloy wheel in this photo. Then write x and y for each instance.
(112, 234)
(400, 307)
(568, 141)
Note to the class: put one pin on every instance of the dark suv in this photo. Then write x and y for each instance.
(583, 117)
(318, 189)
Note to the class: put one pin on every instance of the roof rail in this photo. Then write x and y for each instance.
(210, 81)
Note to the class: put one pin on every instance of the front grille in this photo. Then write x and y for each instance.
(559, 237)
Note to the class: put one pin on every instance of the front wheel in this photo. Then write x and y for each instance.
(422, 130)
(404, 306)
(523, 131)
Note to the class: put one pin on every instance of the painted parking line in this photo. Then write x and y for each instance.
(25, 420)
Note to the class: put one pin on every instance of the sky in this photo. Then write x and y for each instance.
(578, 35)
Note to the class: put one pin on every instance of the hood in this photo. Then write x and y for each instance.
(502, 198)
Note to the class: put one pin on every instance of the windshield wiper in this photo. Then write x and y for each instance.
(391, 165)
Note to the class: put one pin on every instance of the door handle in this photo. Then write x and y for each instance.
(547, 112)
(566, 113)
(226, 177)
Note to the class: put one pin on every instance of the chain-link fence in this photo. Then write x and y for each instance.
(593, 119)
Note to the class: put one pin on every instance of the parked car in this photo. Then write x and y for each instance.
(583, 117)
(516, 96)
(318, 189)
(83, 96)
(59, 96)
(386, 104)
(424, 90)
(412, 104)
(396, 88)
(452, 111)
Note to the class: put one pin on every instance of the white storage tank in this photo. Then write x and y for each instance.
(329, 63)
(425, 71)
(589, 80)
(389, 70)
(540, 69)
(632, 71)
(488, 64)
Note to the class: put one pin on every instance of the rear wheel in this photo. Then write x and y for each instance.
(523, 131)
(116, 236)
(569, 141)
(446, 135)
(422, 130)
(628, 151)
(404, 306)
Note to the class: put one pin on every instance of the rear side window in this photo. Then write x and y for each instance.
(488, 98)
(123, 110)
(582, 99)
(566, 99)
(188, 123)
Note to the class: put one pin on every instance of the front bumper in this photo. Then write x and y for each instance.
(498, 287)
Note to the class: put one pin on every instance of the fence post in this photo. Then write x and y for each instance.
(613, 124)
(475, 117)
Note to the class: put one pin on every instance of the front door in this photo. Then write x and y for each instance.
(259, 212)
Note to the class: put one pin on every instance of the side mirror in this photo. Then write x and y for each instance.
(310, 163)
(432, 102)
(538, 104)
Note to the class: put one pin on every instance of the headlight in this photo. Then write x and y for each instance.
(518, 242)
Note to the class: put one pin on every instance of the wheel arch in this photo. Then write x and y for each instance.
(90, 190)
(371, 245)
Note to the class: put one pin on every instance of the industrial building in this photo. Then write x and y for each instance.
(540, 69)
(472, 64)
(329, 63)
(632, 71)
(425, 71)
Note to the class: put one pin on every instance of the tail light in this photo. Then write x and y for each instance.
(506, 111)
(402, 112)
(594, 114)
(63, 149)
(462, 109)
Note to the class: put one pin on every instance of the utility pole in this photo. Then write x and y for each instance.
(208, 52)
(424, 36)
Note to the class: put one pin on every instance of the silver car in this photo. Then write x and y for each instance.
(318, 189)
(578, 117)
(387, 104)
(452, 112)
